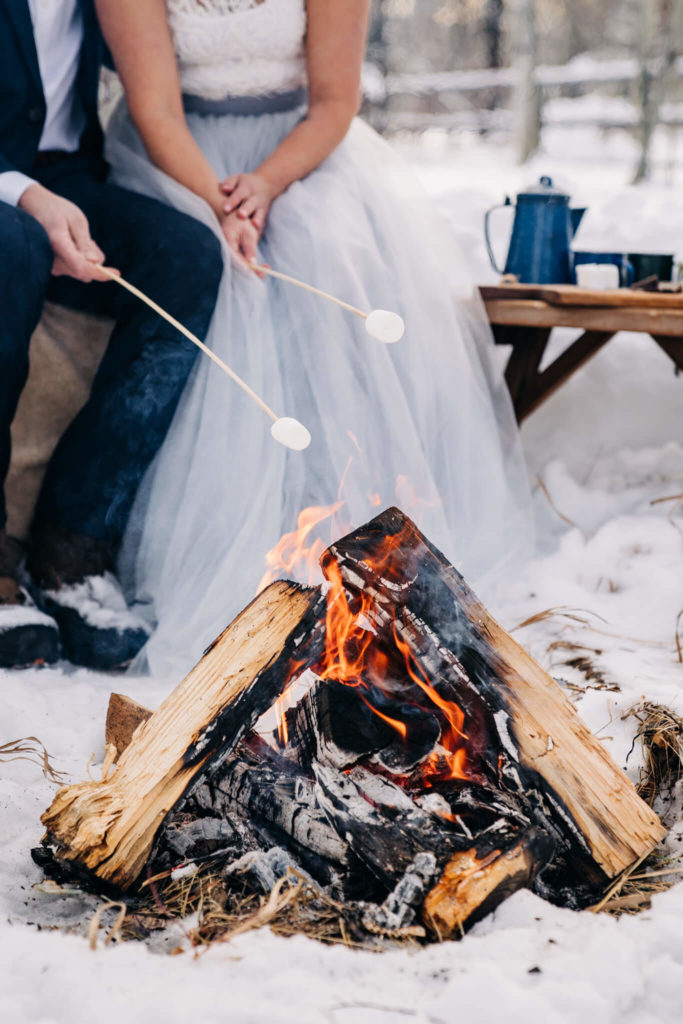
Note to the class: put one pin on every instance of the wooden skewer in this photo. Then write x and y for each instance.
(261, 268)
(188, 334)
(381, 324)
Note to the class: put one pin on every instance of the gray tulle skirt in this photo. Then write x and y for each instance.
(425, 424)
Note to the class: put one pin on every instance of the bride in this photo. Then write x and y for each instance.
(242, 113)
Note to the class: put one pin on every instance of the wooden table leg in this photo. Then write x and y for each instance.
(673, 348)
(528, 347)
(542, 385)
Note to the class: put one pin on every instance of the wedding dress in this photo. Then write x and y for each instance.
(425, 424)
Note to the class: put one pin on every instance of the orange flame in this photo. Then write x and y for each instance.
(350, 653)
(400, 727)
(282, 730)
(452, 736)
(352, 656)
(294, 554)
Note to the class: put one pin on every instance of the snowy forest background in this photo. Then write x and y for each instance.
(514, 66)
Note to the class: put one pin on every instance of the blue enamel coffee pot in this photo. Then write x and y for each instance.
(542, 232)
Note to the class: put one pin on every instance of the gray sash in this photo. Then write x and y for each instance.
(247, 106)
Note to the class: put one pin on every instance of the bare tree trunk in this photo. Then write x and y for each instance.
(493, 31)
(672, 33)
(647, 85)
(375, 102)
(527, 100)
(493, 35)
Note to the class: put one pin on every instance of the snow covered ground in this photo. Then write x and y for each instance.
(607, 447)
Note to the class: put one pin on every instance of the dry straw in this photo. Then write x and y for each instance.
(660, 730)
(29, 748)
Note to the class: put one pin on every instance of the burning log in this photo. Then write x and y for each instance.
(280, 802)
(109, 826)
(430, 769)
(551, 754)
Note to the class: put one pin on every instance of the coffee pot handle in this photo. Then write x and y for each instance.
(487, 234)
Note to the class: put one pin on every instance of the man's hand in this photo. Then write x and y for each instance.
(67, 228)
(250, 196)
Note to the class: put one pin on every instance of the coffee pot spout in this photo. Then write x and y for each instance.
(576, 214)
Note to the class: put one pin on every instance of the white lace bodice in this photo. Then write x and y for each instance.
(238, 47)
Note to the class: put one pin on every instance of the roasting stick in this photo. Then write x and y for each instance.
(265, 269)
(188, 334)
(285, 429)
(380, 323)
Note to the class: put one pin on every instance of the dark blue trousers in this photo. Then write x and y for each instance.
(95, 471)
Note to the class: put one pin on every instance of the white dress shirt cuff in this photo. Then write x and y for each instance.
(13, 184)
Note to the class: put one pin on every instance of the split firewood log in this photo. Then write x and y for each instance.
(108, 827)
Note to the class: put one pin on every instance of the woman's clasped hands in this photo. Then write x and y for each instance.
(245, 210)
(250, 196)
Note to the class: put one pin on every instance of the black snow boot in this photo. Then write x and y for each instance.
(27, 635)
(77, 585)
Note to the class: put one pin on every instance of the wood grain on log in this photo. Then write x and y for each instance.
(584, 789)
(108, 827)
(284, 802)
(124, 715)
(472, 884)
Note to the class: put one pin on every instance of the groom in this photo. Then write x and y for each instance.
(58, 218)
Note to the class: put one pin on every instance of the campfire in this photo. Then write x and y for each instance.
(381, 737)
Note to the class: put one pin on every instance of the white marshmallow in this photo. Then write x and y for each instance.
(291, 433)
(385, 326)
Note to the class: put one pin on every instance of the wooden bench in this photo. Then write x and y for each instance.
(65, 351)
(524, 316)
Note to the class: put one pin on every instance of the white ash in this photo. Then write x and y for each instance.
(184, 871)
(502, 720)
(435, 803)
(266, 869)
(400, 907)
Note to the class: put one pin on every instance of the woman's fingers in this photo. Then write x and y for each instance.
(249, 243)
(248, 207)
(241, 193)
(242, 237)
(230, 184)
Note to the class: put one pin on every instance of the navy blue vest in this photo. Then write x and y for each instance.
(22, 102)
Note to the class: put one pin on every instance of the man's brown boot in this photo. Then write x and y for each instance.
(27, 635)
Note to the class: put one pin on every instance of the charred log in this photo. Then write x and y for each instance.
(451, 636)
